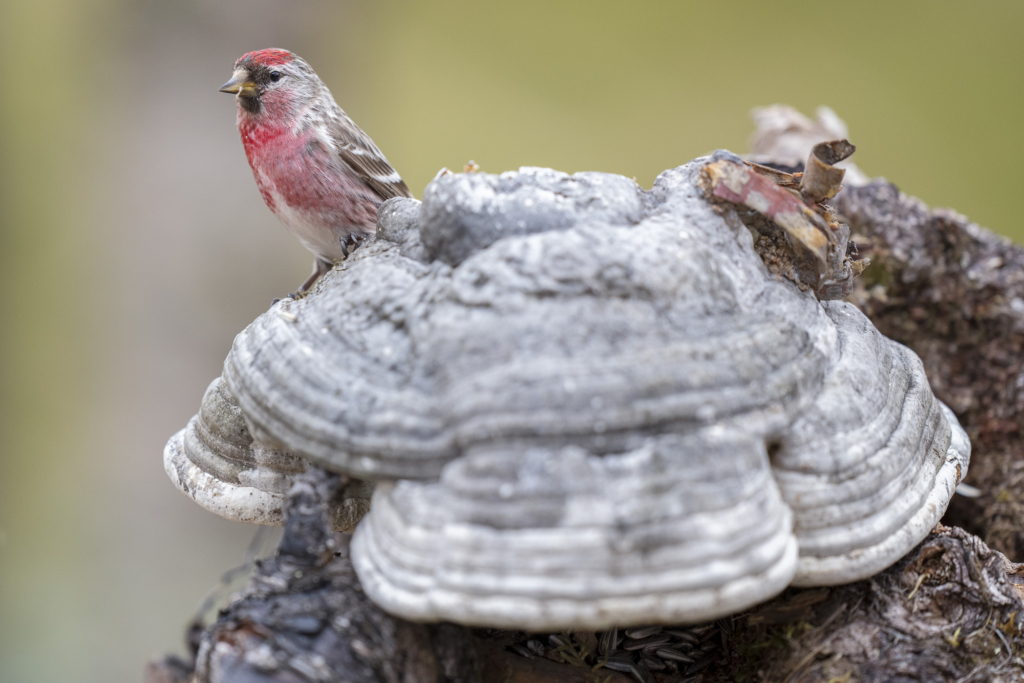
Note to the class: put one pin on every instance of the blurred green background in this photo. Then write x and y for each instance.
(134, 246)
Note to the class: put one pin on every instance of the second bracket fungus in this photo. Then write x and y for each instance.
(216, 462)
(589, 405)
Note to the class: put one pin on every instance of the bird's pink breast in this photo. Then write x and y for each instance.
(322, 203)
(261, 143)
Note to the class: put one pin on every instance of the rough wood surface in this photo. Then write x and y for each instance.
(954, 293)
(951, 610)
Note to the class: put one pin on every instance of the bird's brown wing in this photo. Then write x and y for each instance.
(358, 151)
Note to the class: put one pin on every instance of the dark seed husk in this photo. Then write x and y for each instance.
(621, 664)
(698, 667)
(521, 650)
(709, 634)
(642, 631)
(653, 663)
(685, 636)
(557, 641)
(609, 641)
(659, 639)
(674, 655)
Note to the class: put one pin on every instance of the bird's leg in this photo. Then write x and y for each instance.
(319, 268)
(349, 243)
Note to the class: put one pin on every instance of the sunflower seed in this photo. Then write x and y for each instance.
(685, 636)
(698, 667)
(674, 655)
(650, 649)
(659, 639)
(642, 632)
(653, 663)
(521, 650)
(626, 666)
(609, 641)
(558, 641)
(709, 634)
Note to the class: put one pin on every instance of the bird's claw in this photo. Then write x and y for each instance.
(294, 296)
(350, 243)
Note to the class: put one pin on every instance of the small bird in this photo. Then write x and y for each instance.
(319, 173)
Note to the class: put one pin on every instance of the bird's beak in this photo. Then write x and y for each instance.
(239, 83)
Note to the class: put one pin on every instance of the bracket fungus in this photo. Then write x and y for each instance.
(588, 405)
(216, 462)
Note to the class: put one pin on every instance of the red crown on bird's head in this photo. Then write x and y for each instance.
(269, 57)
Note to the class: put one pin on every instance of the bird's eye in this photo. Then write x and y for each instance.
(275, 76)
